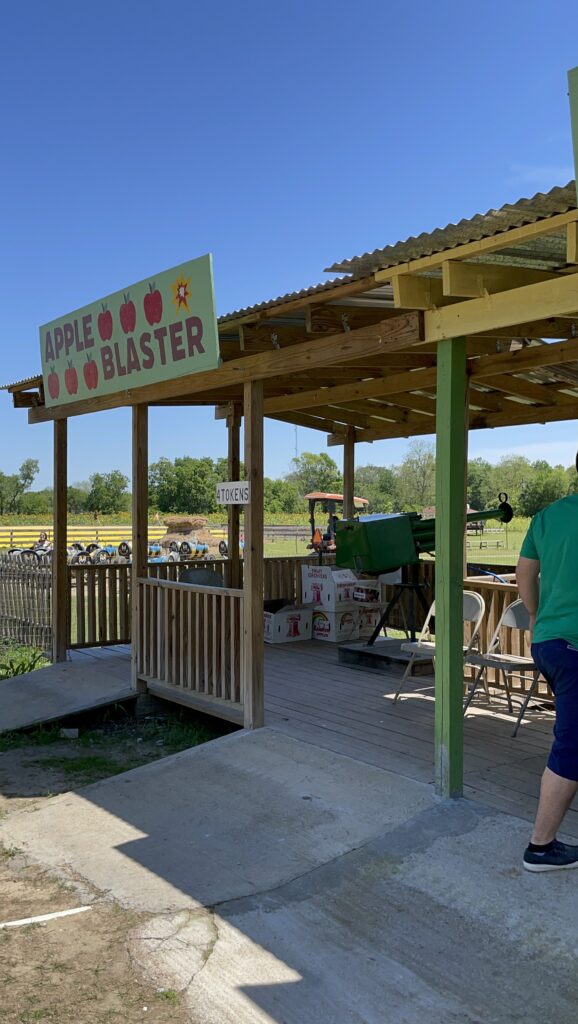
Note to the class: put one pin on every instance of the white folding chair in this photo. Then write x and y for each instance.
(424, 648)
(515, 616)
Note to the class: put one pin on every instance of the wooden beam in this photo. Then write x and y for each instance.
(522, 415)
(60, 610)
(254, 671)
(522, 388)
(349, 474)
(524, 359)
(327, 319)
(449, 531)
(512, 415)
(389, 335)
(474, 280)
(411, 292)
(493, 243)
(139, 560)
(312, 422)
(233, 511)
(505, 309)
(572, 243)
(414, 380)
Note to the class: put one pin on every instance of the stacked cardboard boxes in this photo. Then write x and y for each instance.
(330, 592)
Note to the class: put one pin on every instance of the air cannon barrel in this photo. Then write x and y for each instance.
(384, 542)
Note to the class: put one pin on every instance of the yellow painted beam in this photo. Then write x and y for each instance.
(411, 292)
(505, 309)
(474, 280)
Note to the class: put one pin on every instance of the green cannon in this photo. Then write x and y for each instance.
(384, 543)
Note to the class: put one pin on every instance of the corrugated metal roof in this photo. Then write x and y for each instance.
(544, 251)
(325, 286)
(22, 384)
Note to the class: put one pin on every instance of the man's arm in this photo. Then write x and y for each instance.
(527, 573)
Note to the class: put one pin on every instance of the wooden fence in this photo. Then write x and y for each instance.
(26, 603)
(190, 645)
(99, 595)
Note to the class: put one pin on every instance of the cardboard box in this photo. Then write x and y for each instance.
(369, 616)
(367, 592)
(337, 627)
(327, 587)
(284, 622)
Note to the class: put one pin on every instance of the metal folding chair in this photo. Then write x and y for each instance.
(515, 616)
(424, 649)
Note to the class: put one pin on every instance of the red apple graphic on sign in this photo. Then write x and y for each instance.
(71, 379)
(105, 324)
(128, 315)
(153, 305)
(90, 371)
(53, 384)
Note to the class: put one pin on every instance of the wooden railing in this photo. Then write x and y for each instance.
(190, 645)
(99, 595)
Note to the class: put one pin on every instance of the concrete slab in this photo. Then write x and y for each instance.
(379, 935)
(65, 689)
(291, 884)
(237, 816)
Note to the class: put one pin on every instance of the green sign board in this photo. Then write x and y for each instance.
(161, 328)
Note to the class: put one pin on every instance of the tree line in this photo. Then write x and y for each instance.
(188, 485)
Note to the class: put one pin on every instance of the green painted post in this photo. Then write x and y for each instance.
(573, 94)
(449, 549)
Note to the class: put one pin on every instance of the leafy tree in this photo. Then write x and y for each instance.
(379, 485)
(545, 485)
(14, 485)
(416, 477)
(511, 474)
(186, 485)
(36, 503)
(108, 492)
(77, 498)
(281, 497)
(315, 473)
(481, 487)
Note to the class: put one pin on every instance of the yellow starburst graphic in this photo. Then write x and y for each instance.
(181, 293)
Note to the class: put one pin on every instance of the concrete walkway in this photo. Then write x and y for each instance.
(290, 884)
(57, 691)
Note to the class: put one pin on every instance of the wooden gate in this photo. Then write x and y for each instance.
(190, 645)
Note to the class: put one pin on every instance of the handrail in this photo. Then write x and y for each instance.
(178, 585)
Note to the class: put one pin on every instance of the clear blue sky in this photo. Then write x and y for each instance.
(280, 137)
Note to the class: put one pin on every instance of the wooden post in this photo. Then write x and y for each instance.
(450, 515)
(59, 557)
(233, 511)
(253, 675)
(349, 473)
(139, 530)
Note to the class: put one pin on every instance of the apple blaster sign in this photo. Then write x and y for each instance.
(158, 329)
(234, 493)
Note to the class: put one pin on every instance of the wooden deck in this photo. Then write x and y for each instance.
(350, 711)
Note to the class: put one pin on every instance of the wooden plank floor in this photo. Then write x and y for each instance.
(350, 710)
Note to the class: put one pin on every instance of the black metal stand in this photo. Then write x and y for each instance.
(415, 588)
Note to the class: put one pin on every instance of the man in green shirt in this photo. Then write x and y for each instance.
(547, 576)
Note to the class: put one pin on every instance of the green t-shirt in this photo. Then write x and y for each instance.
(553, 539)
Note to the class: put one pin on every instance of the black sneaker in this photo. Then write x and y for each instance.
(559, 858)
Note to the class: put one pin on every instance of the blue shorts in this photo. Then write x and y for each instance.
(558, 663)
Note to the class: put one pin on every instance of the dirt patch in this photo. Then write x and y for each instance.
(73, 970)
(78, 969)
